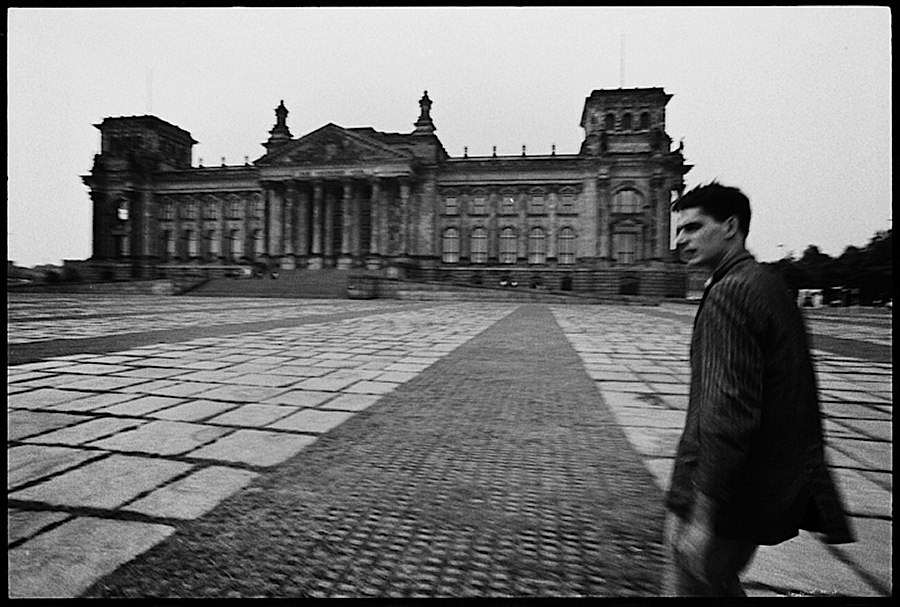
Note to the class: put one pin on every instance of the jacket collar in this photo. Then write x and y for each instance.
(729, 262)
(725, 266)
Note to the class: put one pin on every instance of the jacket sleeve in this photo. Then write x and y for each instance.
(731, 365)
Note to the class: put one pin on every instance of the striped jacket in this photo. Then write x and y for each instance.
(753, 438)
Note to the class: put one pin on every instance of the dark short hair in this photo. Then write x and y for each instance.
(718, 201)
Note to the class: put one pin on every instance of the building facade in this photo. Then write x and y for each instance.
(397, 204)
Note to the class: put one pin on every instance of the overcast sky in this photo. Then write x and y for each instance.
(791, 104)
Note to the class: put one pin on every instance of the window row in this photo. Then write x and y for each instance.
(210, 210)
(627, 121)
(211, 243)
(508, 204)
(508, 246)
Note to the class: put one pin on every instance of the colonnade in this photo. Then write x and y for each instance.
(340, 223)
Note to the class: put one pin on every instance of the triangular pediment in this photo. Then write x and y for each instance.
(333, 145)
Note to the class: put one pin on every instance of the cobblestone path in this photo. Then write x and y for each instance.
(497, 471)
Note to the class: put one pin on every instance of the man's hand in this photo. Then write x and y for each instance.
(695, 540)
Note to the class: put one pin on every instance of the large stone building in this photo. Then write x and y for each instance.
(398, 204)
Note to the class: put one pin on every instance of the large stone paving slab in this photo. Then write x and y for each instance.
(193, 495)
(27, 463)
(87, 431)
(255, 447)
(162, 437)
(63, 562)
(21, 524)
(24, 423)
(107, 483)
(252, 416)
(312, 420)
(42, 398)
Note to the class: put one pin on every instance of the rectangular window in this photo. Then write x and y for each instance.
(567, 203)
(536, 206)
(479, 206)
(451, 206)
(508, 204)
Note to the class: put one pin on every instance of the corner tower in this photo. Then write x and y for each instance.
(625, 120)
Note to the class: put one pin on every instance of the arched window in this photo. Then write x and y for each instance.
(168, 238)
(123, 246)
(450, 245)
(212, 244)
(478, 252)
(192, 243)
(508, 245)
(258, 249)
(645, 120)
(537, 246)
(627, 201)
(566, 246)
(625, 247)
(610, 122)
(236, 244)
(626, 122)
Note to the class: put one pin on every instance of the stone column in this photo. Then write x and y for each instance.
(553, 228)
(344, 260)
(329, 225)
(603, 216)
(404, 218)
(315, 261)
(384, 217)
(289, 261)
(148, 249)
(657, 206)
(302, 225)
(224, 248)
(177, 203)
(357, 225)
(523, 231)
(278, 223)
(375, 205)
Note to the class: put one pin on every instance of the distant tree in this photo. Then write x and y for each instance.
(817, 267)
(866, 273)
(877, 277)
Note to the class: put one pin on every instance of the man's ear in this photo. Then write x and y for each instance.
(731, 227)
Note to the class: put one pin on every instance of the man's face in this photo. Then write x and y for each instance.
(702, 240)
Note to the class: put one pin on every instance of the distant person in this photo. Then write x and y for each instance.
(750, 466)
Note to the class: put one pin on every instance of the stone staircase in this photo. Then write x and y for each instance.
(342, 284)
(327, 283)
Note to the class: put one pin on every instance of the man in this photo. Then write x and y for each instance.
(750, 465)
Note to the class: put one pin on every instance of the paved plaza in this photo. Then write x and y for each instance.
(234, 447)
